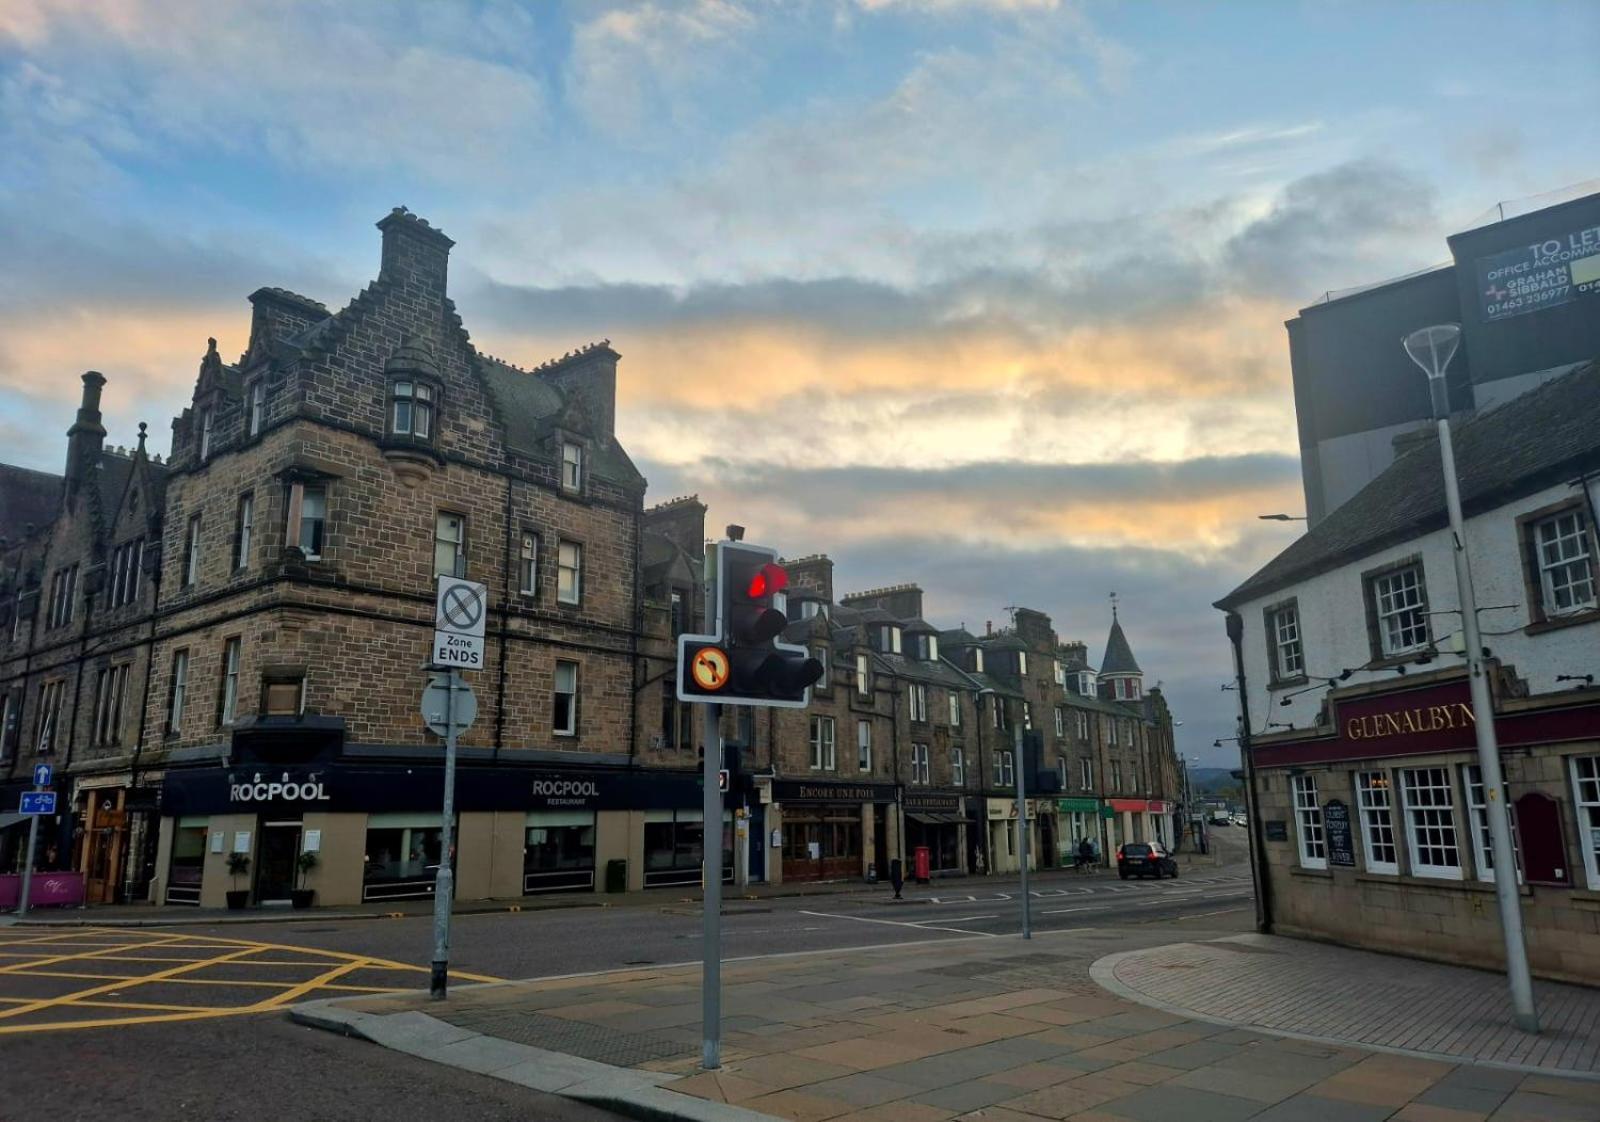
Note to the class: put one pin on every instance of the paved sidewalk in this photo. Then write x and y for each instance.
(983, 1030)
(1361, 997)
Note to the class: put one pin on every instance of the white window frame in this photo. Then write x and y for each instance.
(230, 681)
(1393, 599)
(244, 530)
(1083, 724)
(528, 564)
(256, 409)
(442, 538)
(208, 418)
(1422, 814)
(977, 660)
(863, 675)
(51, 696)
(953, 699)
(1564, 555)
(921, 766)
(1061, 721)
(1027, 715)
(1005, 769)
(191, 559)
(1116, 775)
(932, 644)
(1375, 812)
(1022, 663)
(825, 656)
(416, 400)
(8, 714)
(863, 745)
(1086, 773)
(1478, 818)
(110, 686)
(958, 766)
(1288, 651)
(571, 466)
(569, 560)
(1311, 832)
(571, 727)
(824, 749)
(1059, 672)
(179, 692)
(918, 694)
(1585, 774)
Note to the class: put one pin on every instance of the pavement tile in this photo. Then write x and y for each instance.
(1581, 1090)
(1196, 1053)
(786, 1071)
(721, 1087)
(900, 1112)
(997, 1114)
(1421, 1112)
(1263, 1088)
(862, 1090)
(1063, 1100)
(1032, 1077)
(1144, 1074)
(1495, 1079)
(596, 1010)
(1167, 1103)
(1464, 1098)
(1529, 1106)
(962, 1097)
(1115, 1050)
(1317, 1108)
(1078, 1062)
(1050, 1015)
(798, 1106)
(863, 1054)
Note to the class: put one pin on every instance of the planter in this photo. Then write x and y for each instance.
(237, 899)
(301, 897)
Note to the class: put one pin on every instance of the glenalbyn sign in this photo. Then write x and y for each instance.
(1409, 722)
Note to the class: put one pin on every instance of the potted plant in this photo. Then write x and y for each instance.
(301, 897)
(238, 866)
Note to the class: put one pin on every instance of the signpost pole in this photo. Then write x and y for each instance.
(27, 870)
(711, 846)
(1022, 828)
(444, 883)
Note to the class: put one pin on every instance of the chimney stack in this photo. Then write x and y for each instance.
(87, 435)
(416, 256)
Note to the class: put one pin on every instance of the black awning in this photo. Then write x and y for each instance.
(934, 818)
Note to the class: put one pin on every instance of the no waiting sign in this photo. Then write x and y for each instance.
(461, 609)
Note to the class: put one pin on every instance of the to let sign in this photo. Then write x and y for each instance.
(461, 611)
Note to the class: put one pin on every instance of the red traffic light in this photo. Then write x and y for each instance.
(768, 579)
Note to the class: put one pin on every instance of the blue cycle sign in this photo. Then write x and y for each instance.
(1544, 274)
(38, 802)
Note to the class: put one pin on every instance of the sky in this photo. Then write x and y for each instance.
(982, 294)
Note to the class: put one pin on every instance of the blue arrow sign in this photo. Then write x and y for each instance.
(41, 775)
(38, 802)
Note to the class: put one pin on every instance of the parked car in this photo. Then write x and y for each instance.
(1220, 818)
(1144, 859)
(1240, 820)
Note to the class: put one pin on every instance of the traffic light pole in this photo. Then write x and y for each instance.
(1022, 826)
(711, 847)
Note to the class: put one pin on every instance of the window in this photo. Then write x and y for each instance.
(1430, 814)
(1308, 823)
(1113, 730)
(50, 698)
(930, 647)
(450, 544)
(1376, 808)
(1086, 685)
(1005, 773)
(1586, 782)
(207, 423)
(824, 656)
(1565, 564)
(958, 767)
(411, 413)
(8, 723)
(243, 526)
(677, 613)
(921, 770)
(994, 710)
(863, 675)
(569, 572)
(1399, 603)
(1086, 774)
(305, 515)
(571, 466)
(564, 708)
(257, 408)
(528, 565)
(977, 659)
(889, 639)
(863, 745)
(177, 691)
(823, 756)
(191, 552)
(1022, 662)
(109, 689)
(954, 698)
(919, 701)
(1478, 817)
(1058, 671)
(63, 595)
(230, 683)
(1061, 721)
(1027, 715)
(283, 694)
(1283, 633)
(1083, 724)
(1116, 775)
(125, 562)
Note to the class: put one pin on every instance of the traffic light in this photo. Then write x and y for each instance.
(742, 662)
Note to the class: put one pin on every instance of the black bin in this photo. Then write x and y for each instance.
(617, 875)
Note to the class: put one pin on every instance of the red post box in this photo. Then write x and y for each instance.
(924, 863)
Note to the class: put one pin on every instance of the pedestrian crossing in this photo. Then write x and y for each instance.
(1182, 886)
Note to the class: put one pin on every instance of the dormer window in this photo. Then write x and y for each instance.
(1022, 662)
(977, 659)
(207, 422)
(1060, 672)
(571, 466)
(257, 407)
(411, 409)
(928, 648)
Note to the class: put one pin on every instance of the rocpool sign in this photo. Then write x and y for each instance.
(566, 792)
(285, 789)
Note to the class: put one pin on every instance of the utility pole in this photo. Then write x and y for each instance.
(444, 882)
(711, 943)
(1022, 827)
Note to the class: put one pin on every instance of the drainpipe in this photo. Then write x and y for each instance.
(1258, 851)
(144, 720)
(505, 623)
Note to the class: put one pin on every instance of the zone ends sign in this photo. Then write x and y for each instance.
(461, 610)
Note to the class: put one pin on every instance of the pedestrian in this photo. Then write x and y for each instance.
(1085, 853)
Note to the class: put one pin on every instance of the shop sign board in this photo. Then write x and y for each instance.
(286, 787)
(1336, 824)
(1078, 805)
(1277, 830)
(932, 803)
(461, 611)
(1545, 274)
(821, 792)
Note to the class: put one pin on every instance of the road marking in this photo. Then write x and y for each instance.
(924, 926)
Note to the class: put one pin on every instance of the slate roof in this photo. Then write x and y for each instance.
(940, 673)
(1546, 436)
(1119, 655)
(27, 496)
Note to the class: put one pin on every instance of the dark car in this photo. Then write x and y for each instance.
(1145, 859)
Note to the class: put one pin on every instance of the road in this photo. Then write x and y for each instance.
(235, 1056)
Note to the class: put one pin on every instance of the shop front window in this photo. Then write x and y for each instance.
(558, 852)
(188, 863)
(402, 857)
(673, 846)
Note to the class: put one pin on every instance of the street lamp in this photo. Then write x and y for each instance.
(1432, 348)
(1022, 813)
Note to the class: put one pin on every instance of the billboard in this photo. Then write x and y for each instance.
(1544, 274)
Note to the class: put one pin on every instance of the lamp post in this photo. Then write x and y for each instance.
(1022, 814)
(1432, 348)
